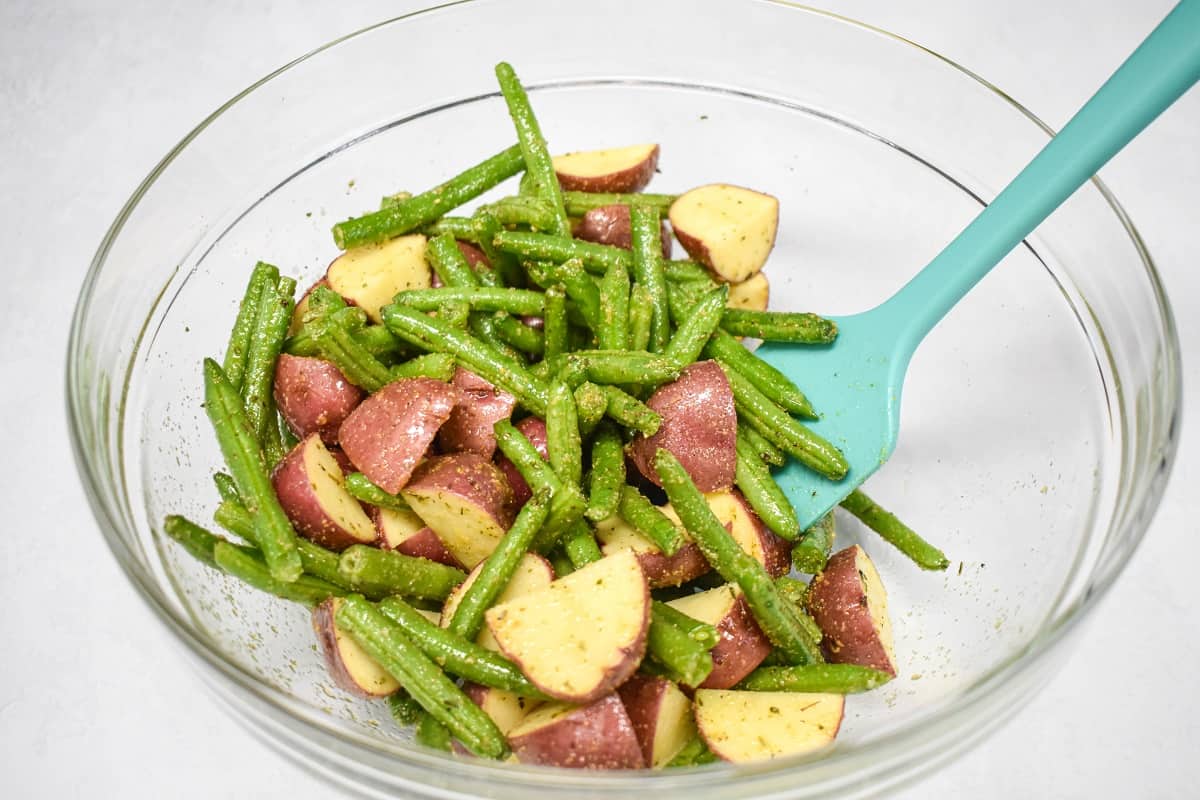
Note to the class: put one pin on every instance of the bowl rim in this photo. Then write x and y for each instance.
(1043, 642)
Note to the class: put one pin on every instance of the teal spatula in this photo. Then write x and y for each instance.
(855, 382)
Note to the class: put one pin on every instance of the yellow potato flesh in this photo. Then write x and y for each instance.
(751, 726)
(752, 294)
(469, 532)
(675, 727)
(372, 275)
(532, 574)
(329, 487)
(596, 163)
(710, 606)
(735, 225)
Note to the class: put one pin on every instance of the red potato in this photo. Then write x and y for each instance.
(584, 634)
(752, 294)
(688, 563)
(598, 735)
(473, 254)
(388, 434)
(533, 574)
(742, 646)
(314, 396)
(752, 726)
(534, 430)
(773, 552)
(699, 427)
(480, 406)
(312, 490)
(349, 665)
(661, 715)
(849, 604)
(617, 169)
(506, 709)
(610, 225)
(726, 228)
(406, 533)
(465, 499)
(370, 276)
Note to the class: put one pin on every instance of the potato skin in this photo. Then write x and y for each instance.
(475, 257)
(599, 735)
(687, 564)
(699, 427)
(610, 225)
(480, 406)
(314, 396)
(422, 544)
(839, 605)
(534, 429)
(642, 695)
(631, 179)
(325, 628)
(389, 432)
(777, 551)
(742, 647)
(469, 476)
(297, 494)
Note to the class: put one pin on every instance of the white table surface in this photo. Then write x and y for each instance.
(96, 699)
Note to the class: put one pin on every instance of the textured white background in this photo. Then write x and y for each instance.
(96, 700)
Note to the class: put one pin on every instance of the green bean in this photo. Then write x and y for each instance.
(579, 203)
(895, 532)
(701, 632)
(336, 343)
(384, 572)
(768, 453)
(273, 531)
(496, 368)
(807, 447)
(693, 754)
(762, 493)
(477, 298)
(624, 367)
(656, 526)
(686, 660)
(504, 265)
(386, 643)
(457, 655)
(266, 343)
(263, 280)
(561, 563)
(641, 310)
(824, 678)
(405, 710)
(646, 230)
(562, 434)
(431, 733)
(794, 590)
(449, 263)
(439, 366)
(613, 333)
(457, 227)
(631, 412)
(426, 207)
(688, 271)
(533, 146)
(389, 200)
(523, 209)
(579, 543)
(249, 568)
(567, 503)
(225, 486)
(196, 540)
(555, 321)
(498, 568)
(487, 330)
(733, 563)
(545, 247)
(362, 488)
(592, 403)
(608, 473)
(580, 286)
(694, 332)
(779, 326)
(315, 560)
(811, 552)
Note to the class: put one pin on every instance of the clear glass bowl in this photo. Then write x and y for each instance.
(1039, 418)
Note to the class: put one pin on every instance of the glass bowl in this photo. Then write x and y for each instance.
(1039, 418)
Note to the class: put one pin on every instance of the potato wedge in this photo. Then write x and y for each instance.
(312, 490)
(610, 225)
(465, 499)
(617, 169)
(752, 726)
(480, 406)
(370, 276)
(506, 709)
(849, 604)
(533, 574)
(729, 229)
(406, 533)
(752, 294)
(773, 552)
(688, 563)
(302, 307)
(598, 735)
(314, 396)
(581, 636)
(742, 646)
(349, 665)
(661, 715)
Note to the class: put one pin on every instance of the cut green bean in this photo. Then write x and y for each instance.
(689, 271)
(685, 659)
(487, 330)
(567, 503)
(579, 203)
(646, 231)
(362, 488)
(656, 526)
(335, 341)
(562, 565)
(538, 163)
(592, 403)
(456, 227)
(544, 247)
(519, 336)
(439, 366)
(608, 473)
(385, 642)
(226, 486)
(613, 333)
(694, 331)
(895, 532)
(385, 572)
(477, 298)
(579, 543)
(580, 286)
(405, 710)
(266, 343)
(263, 279)
(457, 655)
(563, 442)
(389, 200)
(811, 552)
(504, 265)
(431, 733)
(273, 531)
(768, 453)
(555, 321)
(426, 207)
(196, 540)
(641, 310)
(251, 569)
(523, 209)
(623, 367)
(627, 410)
(762, 492)
(498, 568)
(779, 326)
(823, 678)
(774, 616)
(701, 632)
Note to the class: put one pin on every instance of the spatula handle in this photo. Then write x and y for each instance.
(1163, 67)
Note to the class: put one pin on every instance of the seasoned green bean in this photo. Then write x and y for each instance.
(384, 572)
(631, 412)
(656, 526)
(523, 209)
(362, 488)
(641, 310)
(762, 493)
(439, 366)
(579, 203)
(249, 568)
(405, 710)
(592, 403)
(768, 453)
(703, 633)
(613, 333)
(504, 265)
(538, 163)
(567, 503)
(825, 678)
(579, 543)
(623, 367)
(895, 532)
(646, 230)
(196, 540)
(477, 298)
(685, 659)
(449, 264)
(694, 331)
(555, 321)
(266, 343)
(811, 552)
(544, 247)
(432, 733)
(562, 434)
(779, 326)
(225, 486)
(608, 473)
(263, 279)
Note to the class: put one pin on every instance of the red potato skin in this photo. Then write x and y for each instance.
(314, 396)
(610, 225)
(342, 459)
(687, 564)
(599, 735)
(389, 432)
(777, 551)
(534, 429)
(295, 491)
(742, 647)
(470, 476)
(480, 406)
(642, 695)
(633, 179)
(422, 544)
(473, 254)
(838, 605)
(322, 623)
(699, 427)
